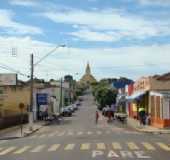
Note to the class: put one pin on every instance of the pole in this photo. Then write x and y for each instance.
(31, 93)
(61, 96)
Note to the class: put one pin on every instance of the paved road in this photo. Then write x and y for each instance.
(79, 138)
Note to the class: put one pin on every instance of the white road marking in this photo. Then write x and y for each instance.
(69, 147)
(7, 150)
(22, 150)
(54, 147)
(38, 148)
(85, 146)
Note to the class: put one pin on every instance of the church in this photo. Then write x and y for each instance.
(87, 78)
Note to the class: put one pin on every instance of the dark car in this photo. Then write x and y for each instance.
(66, 112)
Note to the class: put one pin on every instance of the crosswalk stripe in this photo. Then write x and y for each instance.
(101, 146)
(79, 133)
(23, 149)
(7, 150)
(69, 147)
(116, 146)
(89, 133)
(163, 146)
(54, 147)
(85, 146)
(148, 146)
(38, 148)
(132, 146)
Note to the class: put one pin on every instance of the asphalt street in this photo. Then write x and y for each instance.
(79, 138)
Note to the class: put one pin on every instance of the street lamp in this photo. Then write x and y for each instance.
(31, 81)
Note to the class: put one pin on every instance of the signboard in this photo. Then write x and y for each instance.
(42, 99)
(8, 79)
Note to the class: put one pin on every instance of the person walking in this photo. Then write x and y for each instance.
(142, 115)
(97, 117)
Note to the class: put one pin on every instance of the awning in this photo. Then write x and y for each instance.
(136, 95)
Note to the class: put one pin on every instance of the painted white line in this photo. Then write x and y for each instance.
(79, 133)
(22, 150)
(163, 146)
(85, 146)
(101, 146)
(38, 148)
(148, 146)
(54, 147)
(132, 146)
(7, 150)
(116, 146)
(69, 147)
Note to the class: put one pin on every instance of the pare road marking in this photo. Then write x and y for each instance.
(121, 154)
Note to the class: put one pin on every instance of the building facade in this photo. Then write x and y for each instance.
(153, 93)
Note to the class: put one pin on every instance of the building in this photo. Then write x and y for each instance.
(10, 98)
(153, 93)
(87, 78)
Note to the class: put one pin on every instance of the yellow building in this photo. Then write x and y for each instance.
(11, 97)
(87, 78)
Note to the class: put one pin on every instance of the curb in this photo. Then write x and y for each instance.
(24, 134)
(149, 131)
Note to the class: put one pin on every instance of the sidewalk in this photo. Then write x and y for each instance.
(15, 132)
(147, 129)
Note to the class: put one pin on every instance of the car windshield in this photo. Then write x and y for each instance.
(84, 79)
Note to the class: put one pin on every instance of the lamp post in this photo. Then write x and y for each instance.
(32, 82)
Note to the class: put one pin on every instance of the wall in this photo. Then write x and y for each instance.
(12, 97)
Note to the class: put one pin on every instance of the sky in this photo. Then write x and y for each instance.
(119, 38)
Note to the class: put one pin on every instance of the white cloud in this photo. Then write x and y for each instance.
(105, 62)
(11, 26)
(87, 35)
(110, 20)
(26, 3)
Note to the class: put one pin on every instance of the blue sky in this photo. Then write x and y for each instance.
(118, 37)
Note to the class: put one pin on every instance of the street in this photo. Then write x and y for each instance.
(78, 137)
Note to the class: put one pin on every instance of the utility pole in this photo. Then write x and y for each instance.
(31, 93)
(61, 95)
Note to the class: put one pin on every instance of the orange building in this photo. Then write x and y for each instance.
(153, 93)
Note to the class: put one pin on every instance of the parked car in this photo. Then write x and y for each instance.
(75, 107)
(70, 108)
(78, 103)
(66, 112)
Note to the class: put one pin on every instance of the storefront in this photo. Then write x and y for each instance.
(153, 94)
(136, 100)
(160, 109)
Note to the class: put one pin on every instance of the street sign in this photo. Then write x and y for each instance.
(42, 99)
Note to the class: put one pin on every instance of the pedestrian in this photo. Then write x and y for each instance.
(97, 117)
(109, 116)
(142, 115)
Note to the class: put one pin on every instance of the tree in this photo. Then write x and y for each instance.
(104, 95)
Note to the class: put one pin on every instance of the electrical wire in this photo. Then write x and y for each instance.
(13, 70)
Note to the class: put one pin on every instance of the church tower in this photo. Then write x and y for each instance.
(88, 70)
(87, 78)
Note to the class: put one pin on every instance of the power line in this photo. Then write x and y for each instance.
(13, 70)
